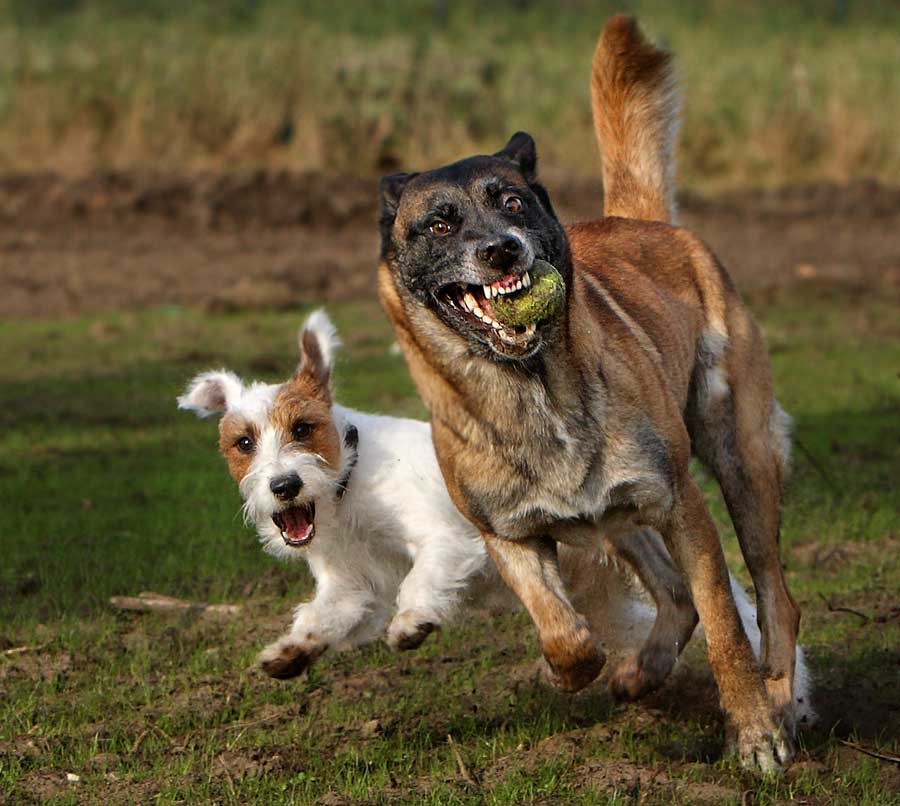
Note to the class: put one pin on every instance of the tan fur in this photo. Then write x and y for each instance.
(304, 398)
(654, 357)
(231, 428)
(635, 109)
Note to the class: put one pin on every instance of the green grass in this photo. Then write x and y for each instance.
(108, 489)
(776, 92)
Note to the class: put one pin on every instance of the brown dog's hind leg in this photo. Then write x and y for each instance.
(691, 537)
(676, 616)
(531, 569)
(743, 439)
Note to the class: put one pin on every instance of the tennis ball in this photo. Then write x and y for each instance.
(535, 304)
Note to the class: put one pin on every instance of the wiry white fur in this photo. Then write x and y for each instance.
(212, 392)
(781, 424)
(804, 714)
(320, 325)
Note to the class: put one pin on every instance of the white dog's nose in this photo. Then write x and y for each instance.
(286, 487)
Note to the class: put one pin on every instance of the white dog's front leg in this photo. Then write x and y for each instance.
(429, 592)
(341, 607)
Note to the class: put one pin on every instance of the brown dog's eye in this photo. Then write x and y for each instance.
(440, 227)
(244, 445)
(301, 431)
(513, 204)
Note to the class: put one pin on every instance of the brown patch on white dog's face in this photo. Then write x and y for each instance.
(302, 414)
(237, 442)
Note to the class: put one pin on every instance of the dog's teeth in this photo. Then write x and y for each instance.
(518, 285)
(469, 300)
(526, 279)
(487, 291)
(478, 312)
(496, 325)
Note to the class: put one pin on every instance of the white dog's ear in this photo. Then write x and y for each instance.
(212, 393)
(319, 342)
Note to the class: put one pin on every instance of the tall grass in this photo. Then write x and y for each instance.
(775, 92)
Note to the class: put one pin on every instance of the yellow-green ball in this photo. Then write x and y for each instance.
(535, 304)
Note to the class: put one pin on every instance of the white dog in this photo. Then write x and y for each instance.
(361, 498)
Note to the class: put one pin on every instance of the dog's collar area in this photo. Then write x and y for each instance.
(351, 442)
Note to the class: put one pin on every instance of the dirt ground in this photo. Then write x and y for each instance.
(273, 240)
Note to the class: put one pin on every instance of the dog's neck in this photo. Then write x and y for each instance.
(509, 401)
(350, 439)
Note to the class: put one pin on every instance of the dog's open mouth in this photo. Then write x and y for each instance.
(473, 302)
(297, 523)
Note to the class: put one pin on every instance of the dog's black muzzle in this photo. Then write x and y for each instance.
(286, 487)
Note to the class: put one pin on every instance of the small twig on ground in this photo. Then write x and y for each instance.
(162, 733)
(874, 753)
(816, 464)
(228, 778)
(139, 741)
(18, 650)
(832, 608)
(463, 769)
(148, 601)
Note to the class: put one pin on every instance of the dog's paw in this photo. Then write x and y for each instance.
(641, 674)
(573, 667)
(408, 630)
(288, 657)
(762, 745)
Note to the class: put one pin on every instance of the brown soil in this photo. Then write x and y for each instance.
(274, 240)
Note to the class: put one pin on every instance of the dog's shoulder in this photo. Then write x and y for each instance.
(659, 250)
(640, 261)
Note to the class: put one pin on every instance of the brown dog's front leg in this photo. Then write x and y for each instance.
(531, 569)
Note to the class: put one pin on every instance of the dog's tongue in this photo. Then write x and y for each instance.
(296, 522)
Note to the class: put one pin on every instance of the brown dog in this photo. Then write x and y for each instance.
(584, 423)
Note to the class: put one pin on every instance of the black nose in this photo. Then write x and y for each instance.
(500, 253)
(285, 487)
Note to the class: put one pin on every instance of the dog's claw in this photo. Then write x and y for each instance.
(765, 749)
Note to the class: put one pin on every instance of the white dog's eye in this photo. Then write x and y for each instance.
(301, 431)
(244, 445)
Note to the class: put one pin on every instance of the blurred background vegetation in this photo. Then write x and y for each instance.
(775, 92)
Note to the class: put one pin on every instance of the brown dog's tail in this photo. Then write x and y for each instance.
(636, 107)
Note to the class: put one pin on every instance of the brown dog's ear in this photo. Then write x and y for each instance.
(318, 341)
(390, 189)
(523, 152)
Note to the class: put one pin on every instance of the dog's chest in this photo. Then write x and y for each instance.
(560, 466)
(538, 467)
